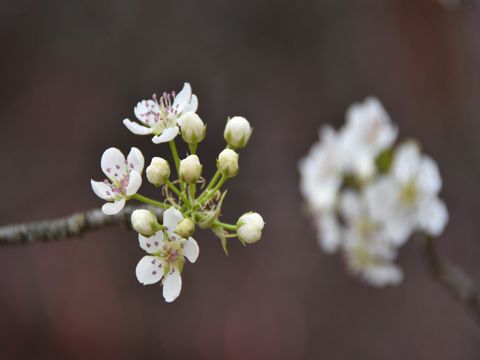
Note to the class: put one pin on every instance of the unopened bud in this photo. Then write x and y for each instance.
(249, 227)
(144, 222)
(190, 169)
(158, 171)
(237, 132)
(227, 162)
(193, 128)
(185, 228)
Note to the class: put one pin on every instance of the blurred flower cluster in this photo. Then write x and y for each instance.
(169, 243)
(368, 196)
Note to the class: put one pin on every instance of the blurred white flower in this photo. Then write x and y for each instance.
(322, 170)
(167, 252)
(124, 178)
(368, 252)
(406, 199)
(367, 132)
(163, 118)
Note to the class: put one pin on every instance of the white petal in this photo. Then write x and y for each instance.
(192, 106)
(113, 163)
(191, 250)
(137, 128)
(329, 232)
(383, 274)
(151, 244)
(112, 208)
(171, 217)
(183, 98)
(429, 178)
(102, 190)
(149, 270)
(406, 162)
(136, 160)
(433, 216)
(147, 111)
(134, 183)
(167, 135)
(172, 285)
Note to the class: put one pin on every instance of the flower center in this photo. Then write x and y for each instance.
(409, 193)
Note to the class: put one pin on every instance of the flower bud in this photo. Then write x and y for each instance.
(185, 228)
(190, 169)
(249, 227)
(158, 171)
(144, 222)
(227, 162)
(193, 128)
(237, 132)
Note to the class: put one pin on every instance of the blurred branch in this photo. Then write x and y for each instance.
(70, 226)
(453, 278)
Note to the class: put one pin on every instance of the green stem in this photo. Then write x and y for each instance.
(209, 193)
(192, 191)
(210, 185)
(149, 201)
(176, 159)
(193, 148)
(226, 226)
(176, 191)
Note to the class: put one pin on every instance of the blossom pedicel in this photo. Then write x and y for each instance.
(189, 201)
(367, 197)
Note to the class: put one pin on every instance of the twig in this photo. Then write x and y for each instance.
(71, 226)
(453, 278)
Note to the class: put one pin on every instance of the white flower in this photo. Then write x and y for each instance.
(367, 132)
(227, 162)
(190, 169)
(249, 227)
(144, 222)
(368, 253)
(321, 172)
(237, 132)
(193, 128)
(158, 171)
(124, 178)
(167, 252)
(406, 200)
(162, 118)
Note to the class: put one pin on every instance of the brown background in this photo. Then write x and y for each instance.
(72, 70)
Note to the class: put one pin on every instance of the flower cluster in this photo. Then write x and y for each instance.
(170, 243)
(368, 197)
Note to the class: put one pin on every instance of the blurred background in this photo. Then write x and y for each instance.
(71, 71)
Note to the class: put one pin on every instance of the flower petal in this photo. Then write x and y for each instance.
(149, 270)
(136, 128)
(147, 111)
(102, 190)
(171, 217)
(172, 285)
(191, 250)
(112, 208)
(135, 160)
(433, 216)
(192, 106)
(113, 164)
(183, 98)
(429, 178)
(151, 244)
(167, 135)
(134, 183)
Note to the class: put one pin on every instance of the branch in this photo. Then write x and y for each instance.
(71, 226)
(453, 278)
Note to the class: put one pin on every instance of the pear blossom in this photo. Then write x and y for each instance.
(367, 132)
(406, 199)
(167, 252)
(124, 178)
(162, 118)
(369, 254)
(249, 227)
(322, 170)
